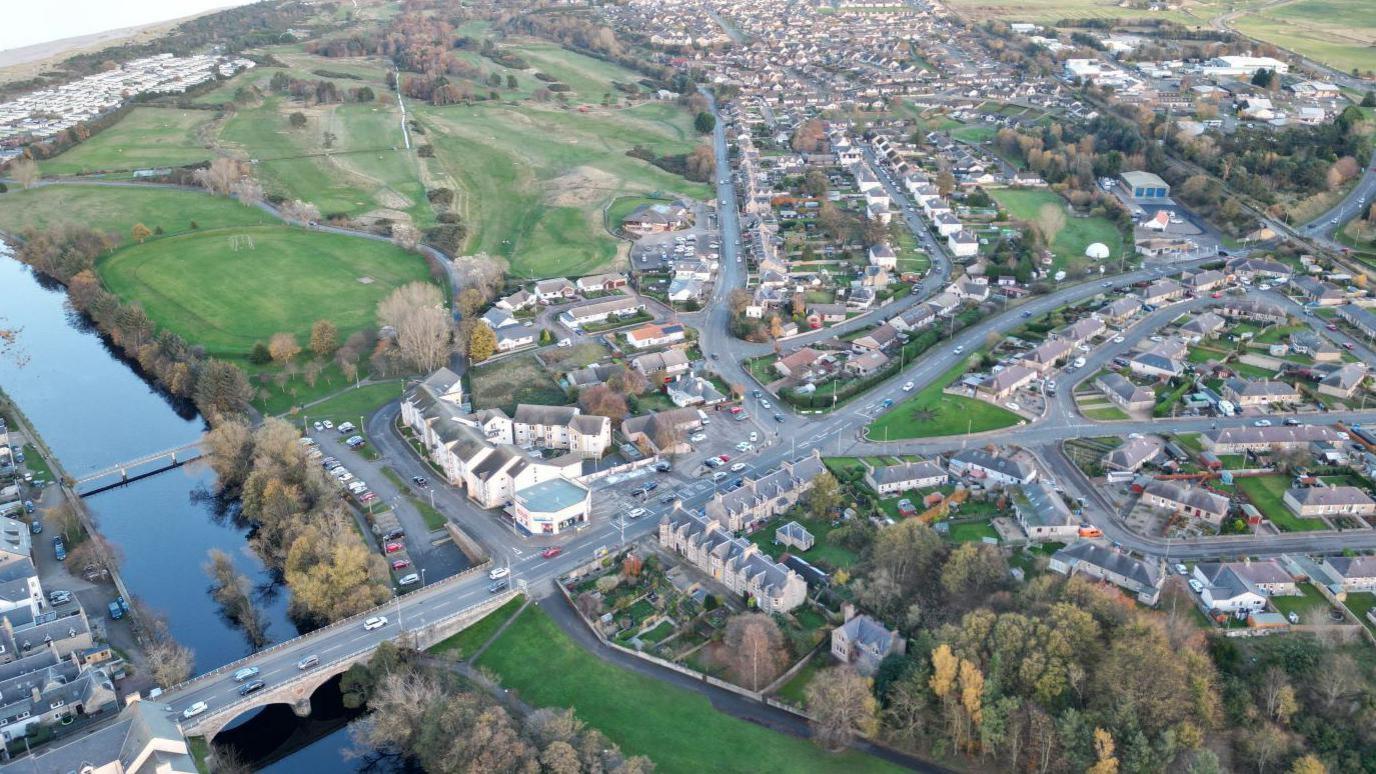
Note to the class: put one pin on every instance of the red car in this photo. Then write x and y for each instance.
(551, 552)
(1331, 327)
(1348, 345)
(724, 457)
(401, 564)
(392, 548)
(1215, 295)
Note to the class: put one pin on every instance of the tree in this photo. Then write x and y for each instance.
(1049, 221)
(755, 649)
(1105, 762)
(482, 343)
(416, 312)
(815, 183)
(301, 213)
(220, 175)
(283, 347)
(332, 573)
(233, 591)
(297, 120)
(222, 391)
(1309, 764)
(24, 171)
(486, 273)
(808, 137)
(405, 236)
(972, 571)
(248, 191)
(841, 705)
(140, 232)
(601, 400)
(324, 338)
(824, 496)
(738, 300)
(468, 303)
(704, 122)
(1369, 99)
(1262, 78)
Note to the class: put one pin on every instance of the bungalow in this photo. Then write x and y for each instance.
(1354, 573)
(796, 364)
(1133, 454)
(657, 218)
(993, 468)
(521, 299)
(1253, 268)
(1234, 440)
(601, 311)
(555, 290)
(1153, 363)
(1048, 355)
(654, 335)
(1254, 310)
(497, 317)
(888, 479)
(823, 314)
(1003, 384)
(970, 290)
(601, 282)
(944, 304)
(513, 337)
(1126, 395)
(1080, 331)
(866, 363)
(1360, 317)
(1242, 586)
(1043, 514)
(1259, 392)
(669, 363)
(1202, 326)
(1318, 348)
(1142, 579)
(962, 244)
(1204, 281)
(912, 319)
(863, 642)
(879, 338)
(1316, 501)
(1192, 501)
(1121, 310)
(1162, 291)
(1317, 291)
(692, 390)
(1343, 381)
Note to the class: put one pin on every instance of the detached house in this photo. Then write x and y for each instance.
(1192, 501)
(992, 468)
(863, 642)
(1139, 578)
(555, 290)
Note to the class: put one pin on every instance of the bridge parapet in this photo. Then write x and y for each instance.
(298, 690)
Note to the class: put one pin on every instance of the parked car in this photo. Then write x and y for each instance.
(356, 441)
(1180, 568)
(697, 437)
(376, 622)
(407, 580)
(1262, 423)
(245, 673)
(1196, 586)
(738, 467)
(719, 475)
(401, 564)
(59, 549)
(725, 457)
(636, 513)
(329, 425)
(393, 548)
(60, 597)
(346, 428)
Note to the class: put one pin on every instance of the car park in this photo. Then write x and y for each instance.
(738, 467)
(376, 622)
(719, 475)
(636, 513)
(346, 428)
(329, 425)
(245, 673)
(711, 462)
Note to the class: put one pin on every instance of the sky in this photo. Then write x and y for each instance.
(27, 22)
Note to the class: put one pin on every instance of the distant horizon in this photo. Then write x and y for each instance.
(33, 24)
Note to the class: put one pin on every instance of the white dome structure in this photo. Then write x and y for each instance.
(1098, 251)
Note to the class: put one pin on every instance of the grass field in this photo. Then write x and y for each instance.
(1265, 492)
(677, 728)
(519, 379)
(931, 413)
(1339, 33)
(117, 209)
(1055, 10)
(146, 137)
(976, 133)
(467, 642)
(535, 180)
(1078, 233)
(226, 300)
(351, 404)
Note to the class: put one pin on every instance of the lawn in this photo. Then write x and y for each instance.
(36, 465)
(1265, 492)
(118, 209)
(519, 379)
(822, 552)
(353, 403)
(145, 137)
(467, 642)
(974, 134)
(1359, 602)
(224, 299)
(931, 413)
(646, 716)
(534, 181)
(971, 531)
(1077, 234)
(1311, 602)
(1105, 413)
(795, 690)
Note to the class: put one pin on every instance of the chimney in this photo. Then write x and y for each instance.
(847, 611)
(35, 694)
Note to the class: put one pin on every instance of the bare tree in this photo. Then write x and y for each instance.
(486, 273)
(283, 347)
(405, 236)
(1049, 222)
(220, 175)
(303, 213)
(24, 171)
(169, 662)
(756, 650)
(417, 314)
(841, 706)
(248, 191)
(233, 591)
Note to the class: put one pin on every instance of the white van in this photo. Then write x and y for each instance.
(702, 417)
(347, 427)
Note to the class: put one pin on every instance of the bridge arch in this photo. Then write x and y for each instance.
(296, 694)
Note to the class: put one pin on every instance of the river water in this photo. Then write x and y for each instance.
(93, 409)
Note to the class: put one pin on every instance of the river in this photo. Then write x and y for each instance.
(93, 409)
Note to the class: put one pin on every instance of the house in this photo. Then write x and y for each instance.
(1316, 501)
(919, 316)
(601, 282)
(1360, 317)
(591, 376)
(561, 427)
(662, 432)
(142, 739)
(879, 338)
(1317, 291)
(1318, 348)
(555, 290)
(1080, 331)
(497, 318)
(1121, 310)
(513, 337)
(521, 299)
(863, 642)
(883, 256)
(888, 479)
(1230, 587)
(796, 364)
(1003, 384)
(692, 390)
(962, 244)
(1162, 291)
(794, 535)
(1353, 573)
(1253, 310)
(1204, 281)
(1139, 578)
(969, 290)
(993, 468)
(1203, 326)
(762, 498)
(1259, 392)
(669, 363)
(1124, 394)
(821, 314)
(1343, 381)
(1042, 514)
(1133, 454)
(866, 363)
(657, 218)
(654, 335)
(734, 562)
(1048, 355)
(1258, 268)
(1153, 363)
(601, 311)
(1234, 440)
(1191, 501)
(551, 506)
(946, 223)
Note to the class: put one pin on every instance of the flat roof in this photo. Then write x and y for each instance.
(553, 495)
(1137, 178)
